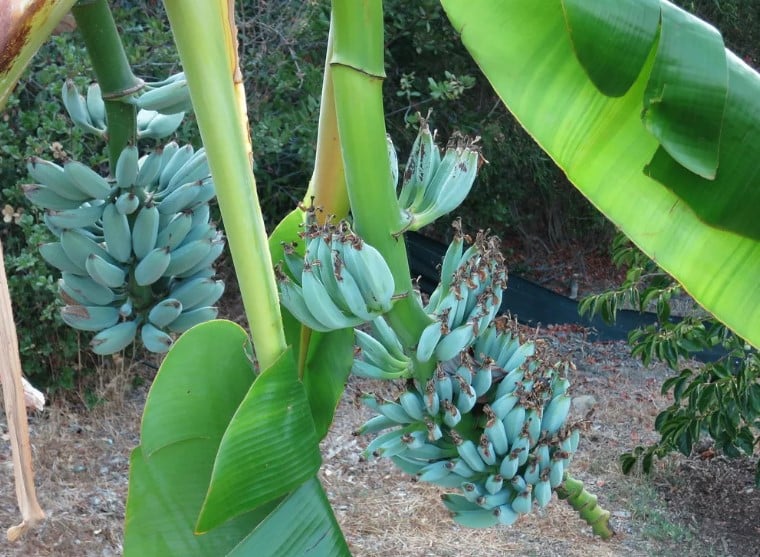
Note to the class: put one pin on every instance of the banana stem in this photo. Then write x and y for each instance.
(112, 70)
(357, 65)
(328, 182)
(216, 88)
(585, 503)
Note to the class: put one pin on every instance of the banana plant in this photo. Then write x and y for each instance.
(230, 433)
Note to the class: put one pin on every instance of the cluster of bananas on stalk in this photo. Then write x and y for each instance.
(490, 418)
(135, 252)
(433, 185)
(340, 281)
(162, 107)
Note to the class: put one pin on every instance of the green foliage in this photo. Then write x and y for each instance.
(720, 398)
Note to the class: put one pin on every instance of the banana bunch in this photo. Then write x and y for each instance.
(170, 96)
(433, 185)
(490, 423)
(467, 299)
(136, 252)
(89, 112)
(339, 282)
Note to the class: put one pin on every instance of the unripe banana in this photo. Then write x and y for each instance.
(154, 339)
(114, 339)
(160, 125)
(126, 309)
(194, 169)
(127, 203)
(197, 292)
(531, 473)
(555, 414)
(152, 266)
(103, 272)
(557, 472)
(454, 342)
(372, 274)
(513, 423)
(178, 158)
(434, 472)
(81, 217)
(179, 199)
(533, 425)
(350, 295)
(376, 354)
(428, 341)
(456, 503)
(522, 502)
(175, 231)
(54, 178)
(321, 306)
(388, 337)
(496, 433)
(292, 298)
(44, 197)
(149, 169)
(187, 257)
(116, 233)
(54, 254)
(361, 368)
(89, 182)
(169, 96)
(164, 312)
(87, 290)
(192, 317)
(469, 453)
(486, 451)
(127, 167)
(78, 247)
(90, 318)
(76, 106)
(482, 518)
(542, 493)
(96, 108)
(145, 231)
(376, 424)
(412, 404)
(423, 162)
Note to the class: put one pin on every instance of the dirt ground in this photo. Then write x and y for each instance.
(687, 507)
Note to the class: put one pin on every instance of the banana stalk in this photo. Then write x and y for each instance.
(586, 505)
(216, 87)
(357, 66)
(101, 38)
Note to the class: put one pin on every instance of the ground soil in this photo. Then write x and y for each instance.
(704, 505)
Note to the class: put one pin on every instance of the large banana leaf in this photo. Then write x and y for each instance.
(227, 453)
(651, 118)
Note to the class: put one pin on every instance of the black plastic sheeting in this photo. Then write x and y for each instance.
(532, 304)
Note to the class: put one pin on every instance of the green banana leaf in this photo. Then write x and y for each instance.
(225, 445)
(651, 118)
